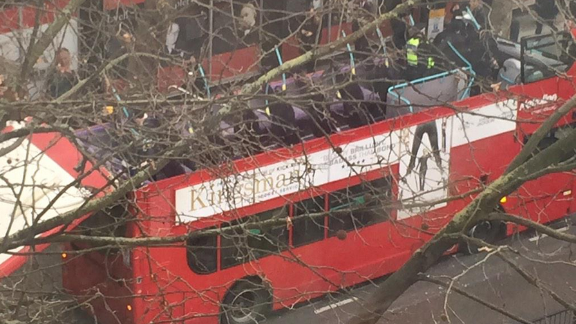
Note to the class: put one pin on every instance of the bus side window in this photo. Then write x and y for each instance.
(348, 198)
(201, 254)
(233, 245)
(265, 239)
(306, 230)
(366, 202)
(376, 211)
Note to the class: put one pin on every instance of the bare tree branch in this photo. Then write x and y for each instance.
(534, 225)
(536, 282)
(325, 50)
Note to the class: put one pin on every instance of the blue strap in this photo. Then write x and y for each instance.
(352, 64)
(201, 70)
(267, 109)
(124, 109)
(467, 92)
(279, 57)
(474, 21)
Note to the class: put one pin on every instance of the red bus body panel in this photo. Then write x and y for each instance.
(171, 291)
(157, 285)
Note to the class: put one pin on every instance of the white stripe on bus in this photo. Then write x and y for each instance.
(335, 305)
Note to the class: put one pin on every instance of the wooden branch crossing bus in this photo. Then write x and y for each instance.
(377, 193)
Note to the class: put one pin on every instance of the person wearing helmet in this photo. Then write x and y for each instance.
(454, 35)
(480, 10)
(419, 59)
(397, 23)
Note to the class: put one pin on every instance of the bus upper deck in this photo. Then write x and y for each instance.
(306, 106)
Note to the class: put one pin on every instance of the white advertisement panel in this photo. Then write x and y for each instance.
(287, 177)
(424, 173)
(365, 155)
(422, 151)
(424, 164)
(485, 122)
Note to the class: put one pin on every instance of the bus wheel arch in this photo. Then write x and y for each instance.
(489, 231)
(247, 301)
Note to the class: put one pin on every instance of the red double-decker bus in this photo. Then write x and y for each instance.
(294, 223)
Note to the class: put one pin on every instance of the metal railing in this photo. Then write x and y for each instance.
(393, 91)
(465, 94)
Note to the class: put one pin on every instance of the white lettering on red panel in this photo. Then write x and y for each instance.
(547, 99)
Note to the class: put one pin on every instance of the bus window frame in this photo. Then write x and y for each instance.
(319, 221)
(244, 246)
(86, 227)
(366, 187)
(535, 39)
(551, 137)
(190, 251)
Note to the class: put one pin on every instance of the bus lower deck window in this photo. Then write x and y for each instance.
(201, 254)
(267, 240)
(306, 229)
